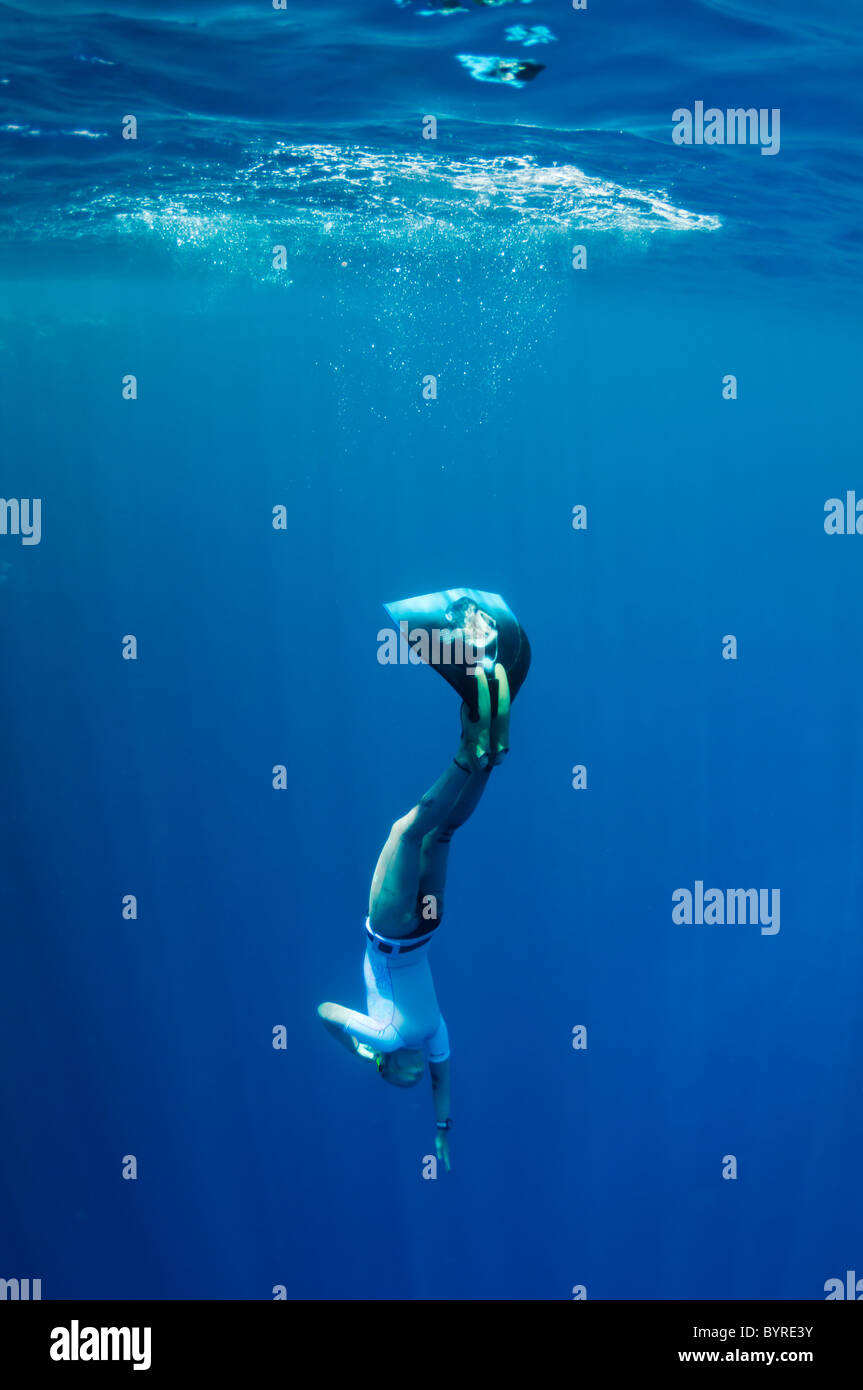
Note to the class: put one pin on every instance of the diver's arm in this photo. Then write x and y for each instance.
(354, 1030)
(337, 1031)
(439, 1073)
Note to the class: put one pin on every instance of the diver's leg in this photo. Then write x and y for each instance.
(395, 885)
(435, 846)
(434, 852)
(411, 874)
(395, 901)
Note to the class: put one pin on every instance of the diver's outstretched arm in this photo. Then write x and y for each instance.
(354, 1030)
(337, 1031)
(439, 1072)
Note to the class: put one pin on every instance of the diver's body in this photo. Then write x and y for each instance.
(403, 1027)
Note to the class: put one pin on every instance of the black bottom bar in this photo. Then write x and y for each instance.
(214, 1339)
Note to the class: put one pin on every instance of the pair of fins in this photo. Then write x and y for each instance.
(455, 630)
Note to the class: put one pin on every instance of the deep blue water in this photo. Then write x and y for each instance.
(302, 387)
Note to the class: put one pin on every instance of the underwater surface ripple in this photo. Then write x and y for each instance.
(311, 117)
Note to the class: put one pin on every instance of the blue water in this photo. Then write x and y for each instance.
(302, 387)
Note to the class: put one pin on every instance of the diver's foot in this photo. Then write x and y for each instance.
(499, 732)
(474, 749)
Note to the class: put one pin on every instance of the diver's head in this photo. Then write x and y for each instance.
(404, 1067)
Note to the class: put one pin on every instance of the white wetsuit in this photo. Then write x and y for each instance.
(402, 1005)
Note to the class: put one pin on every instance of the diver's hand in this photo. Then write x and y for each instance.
(441, 1143)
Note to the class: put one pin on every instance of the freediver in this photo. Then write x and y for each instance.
(403, 1026)
(516, 71)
